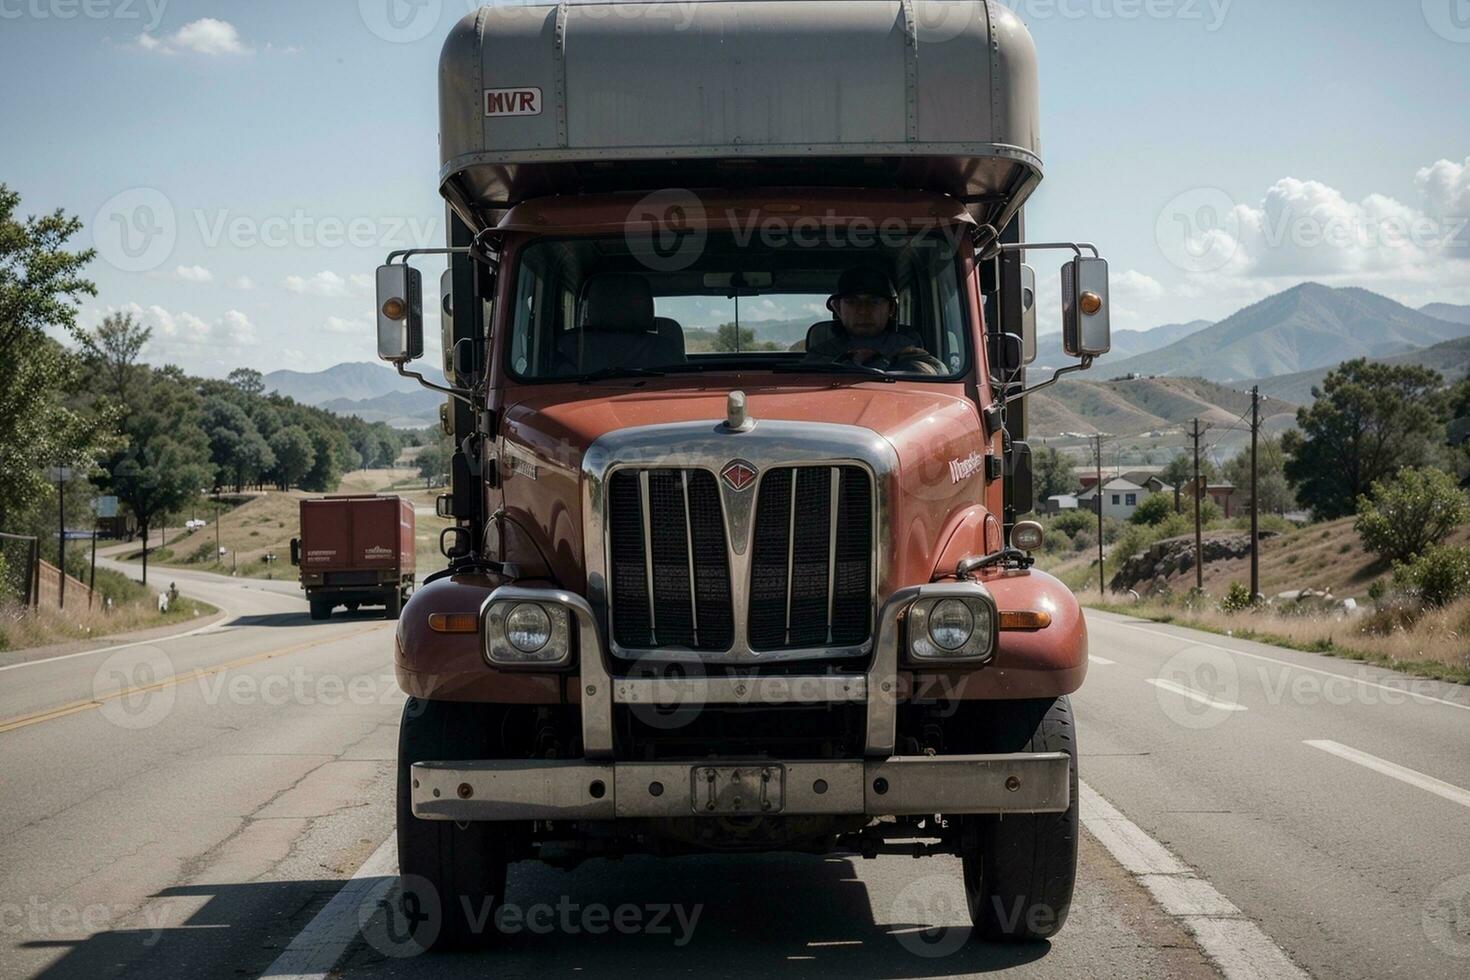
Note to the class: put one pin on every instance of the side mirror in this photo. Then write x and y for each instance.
(455, 543)
(400, 313)
(295, 551)
(1028, 314)
(1086, 324)
(446, 321)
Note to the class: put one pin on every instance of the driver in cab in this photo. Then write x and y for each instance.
(865, 330)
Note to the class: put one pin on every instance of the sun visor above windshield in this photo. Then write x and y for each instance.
(932, 95)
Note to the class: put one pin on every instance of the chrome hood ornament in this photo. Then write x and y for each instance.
(736, 419)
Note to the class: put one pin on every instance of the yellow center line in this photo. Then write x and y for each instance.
(49, 714)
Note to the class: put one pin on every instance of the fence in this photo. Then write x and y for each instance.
(18, 556)
(48, 587)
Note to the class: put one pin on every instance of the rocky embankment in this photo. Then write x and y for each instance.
(1150, 571)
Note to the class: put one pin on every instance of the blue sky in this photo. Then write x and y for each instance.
(1217, 151)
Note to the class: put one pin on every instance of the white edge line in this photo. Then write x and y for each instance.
(1287, 663)
(1236, 945)
(1100, 661)
(1403, 774)
(1193, 695)
(121, 646)
(318, 947)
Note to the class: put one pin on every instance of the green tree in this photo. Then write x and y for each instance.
(111, 351)
(433, 463)
(1402, 517)
(1051, 471)
(1367, 422)
(40, 285)
(249, 382)
(1180, 470)
(1156, 508)
(1271, 482)
(165, 460)
(294, 454)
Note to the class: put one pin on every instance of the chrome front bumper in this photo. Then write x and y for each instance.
(896, 786)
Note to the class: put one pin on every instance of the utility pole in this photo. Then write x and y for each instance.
(1098, 496)
(1255, 504)
(1199, 569)
(61, 535)
(216, 527)
(92, 585)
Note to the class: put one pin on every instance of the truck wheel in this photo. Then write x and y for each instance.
(393, 605)
(321, 609)
(1020, 868)
(453, 875)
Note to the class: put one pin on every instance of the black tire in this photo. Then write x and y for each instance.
(1020, 869)
(393, 605)
(321, 609)
(453, 875)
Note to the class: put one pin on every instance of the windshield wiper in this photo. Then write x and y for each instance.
(833, 367)
(610, 373)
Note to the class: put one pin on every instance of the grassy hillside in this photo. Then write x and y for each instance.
(1451, 359)
(266, 525)
(1141, 405)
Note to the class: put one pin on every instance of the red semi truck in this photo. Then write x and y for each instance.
(355, 550)
(775, 597)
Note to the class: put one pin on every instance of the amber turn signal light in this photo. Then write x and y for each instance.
(1091, 303)
(454, 622)
(395, 309)
(1025, 619)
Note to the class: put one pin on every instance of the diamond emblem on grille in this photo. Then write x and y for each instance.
(738, 475)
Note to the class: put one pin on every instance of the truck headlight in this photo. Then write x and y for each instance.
(520, 632)
(952, 628)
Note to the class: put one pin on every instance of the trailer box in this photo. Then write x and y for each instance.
(356, 550)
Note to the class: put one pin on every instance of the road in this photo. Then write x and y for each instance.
(229, 817)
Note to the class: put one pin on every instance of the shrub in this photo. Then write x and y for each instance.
(1237, 598)
(1403, 517)
(1084, 540)
(1069, 522)
(204, 553)
(1377, 590)
(1397, 614)
(1438, 577)
(1154, 509)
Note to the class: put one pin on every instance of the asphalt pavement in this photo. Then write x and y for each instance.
(220, 805)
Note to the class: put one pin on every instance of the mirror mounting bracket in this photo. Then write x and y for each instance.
(1085, 363)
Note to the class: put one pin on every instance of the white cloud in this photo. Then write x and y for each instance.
(194, 273)
(243, 282)
(357, 326)
(1446, 188)
(206, 36)
(330, 285)
(184, 331)
(1136, 286)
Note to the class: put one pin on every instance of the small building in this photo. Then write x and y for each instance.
(1224, 494)
(1120, 498)
(1059, 502)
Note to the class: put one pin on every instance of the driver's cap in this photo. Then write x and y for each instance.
(865, 280)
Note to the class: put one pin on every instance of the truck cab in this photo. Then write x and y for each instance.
(736, 329)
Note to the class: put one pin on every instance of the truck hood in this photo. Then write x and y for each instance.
(919, 420)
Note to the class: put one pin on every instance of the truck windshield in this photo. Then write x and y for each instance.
(609, 307)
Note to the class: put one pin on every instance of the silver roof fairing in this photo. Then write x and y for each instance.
(936, 95)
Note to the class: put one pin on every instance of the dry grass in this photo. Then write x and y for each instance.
(1437, 646)
(266, 525)
(22, 628)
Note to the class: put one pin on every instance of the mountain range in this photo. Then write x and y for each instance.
(1307, 327)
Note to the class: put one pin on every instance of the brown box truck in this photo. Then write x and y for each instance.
(355, 550)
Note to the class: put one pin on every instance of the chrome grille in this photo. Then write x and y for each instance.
(810, 570)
